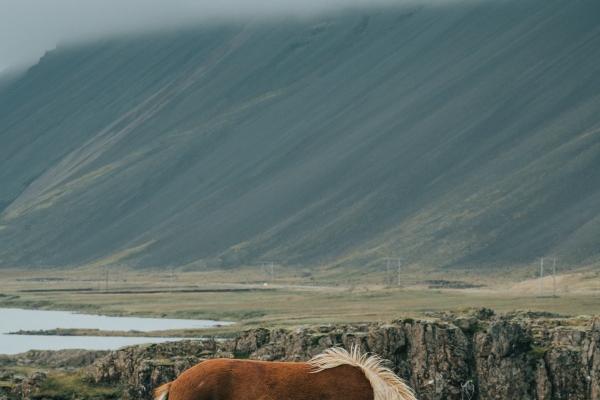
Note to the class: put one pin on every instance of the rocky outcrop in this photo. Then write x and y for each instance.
(474, 356)
(30, 385)
(63, 359)
(17, 386)
(141, 368)
(22, 375)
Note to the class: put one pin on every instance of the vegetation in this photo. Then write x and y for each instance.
(419, 147)
(538, 352)
(64, 385)
(289, 301)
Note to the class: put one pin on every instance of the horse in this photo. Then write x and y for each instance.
(335, 374)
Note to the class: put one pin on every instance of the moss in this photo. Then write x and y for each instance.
(241, 354)
(164, 362)
(6, 385)
(476, 328)
(538, 352)
(68, 386)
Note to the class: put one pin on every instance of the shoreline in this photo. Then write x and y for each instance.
(221, 329)
(175, 333)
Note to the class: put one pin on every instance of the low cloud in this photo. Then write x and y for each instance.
(30, 27)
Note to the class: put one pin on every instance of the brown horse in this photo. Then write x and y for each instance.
(336, 374)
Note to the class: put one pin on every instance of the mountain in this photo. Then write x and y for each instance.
(7, 77)
(451, 135)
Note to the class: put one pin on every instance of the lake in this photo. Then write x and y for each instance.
(12, 320)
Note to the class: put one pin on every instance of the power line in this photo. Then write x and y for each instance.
(392, 270)
(268, 268)
(542, 276)
(554, 277)
(172, 276)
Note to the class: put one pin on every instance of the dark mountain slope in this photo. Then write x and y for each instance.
(450, 135)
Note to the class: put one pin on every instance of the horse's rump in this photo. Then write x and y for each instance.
(335, 374)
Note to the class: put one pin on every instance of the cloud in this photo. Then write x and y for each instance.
(30, 27)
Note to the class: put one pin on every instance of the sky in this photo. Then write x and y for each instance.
(28, 28)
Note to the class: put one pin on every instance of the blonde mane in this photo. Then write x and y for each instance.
(385, 383)
(162, 392)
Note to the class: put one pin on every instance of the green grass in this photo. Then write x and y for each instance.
(73, 385)
(61, 385)
(289, 302)
(538, 352)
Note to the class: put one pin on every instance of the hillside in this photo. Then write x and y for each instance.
(457, 135)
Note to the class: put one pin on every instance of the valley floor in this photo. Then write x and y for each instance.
(251, 298)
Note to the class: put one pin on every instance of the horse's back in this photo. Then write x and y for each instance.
(228, 379)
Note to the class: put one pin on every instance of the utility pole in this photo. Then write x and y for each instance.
(268, 268)
(392, 276)
(554, 277)
(387, 271)
(106, 281)
(172, 278)
(542, 276)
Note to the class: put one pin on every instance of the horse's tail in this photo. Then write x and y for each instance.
(162, 392)
(385, 383)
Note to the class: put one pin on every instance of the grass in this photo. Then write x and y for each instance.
(62, 385)
(538, 352)
(290, 301)
(6, 385)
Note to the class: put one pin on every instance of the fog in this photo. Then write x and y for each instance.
(28, 28)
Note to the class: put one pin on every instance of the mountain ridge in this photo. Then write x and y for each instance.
(458, 135)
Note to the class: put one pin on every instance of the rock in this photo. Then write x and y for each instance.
(30, 385)
(436, 359)
(467, 324)
(502, 356)
(476, 355)
(53, 359)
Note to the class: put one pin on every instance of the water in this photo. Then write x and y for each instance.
(12, 320)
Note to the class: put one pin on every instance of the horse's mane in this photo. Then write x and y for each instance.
(385, 383)
(162, 392)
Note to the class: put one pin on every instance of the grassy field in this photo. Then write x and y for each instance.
(288, 300)
(73, 385)
(61, 384)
